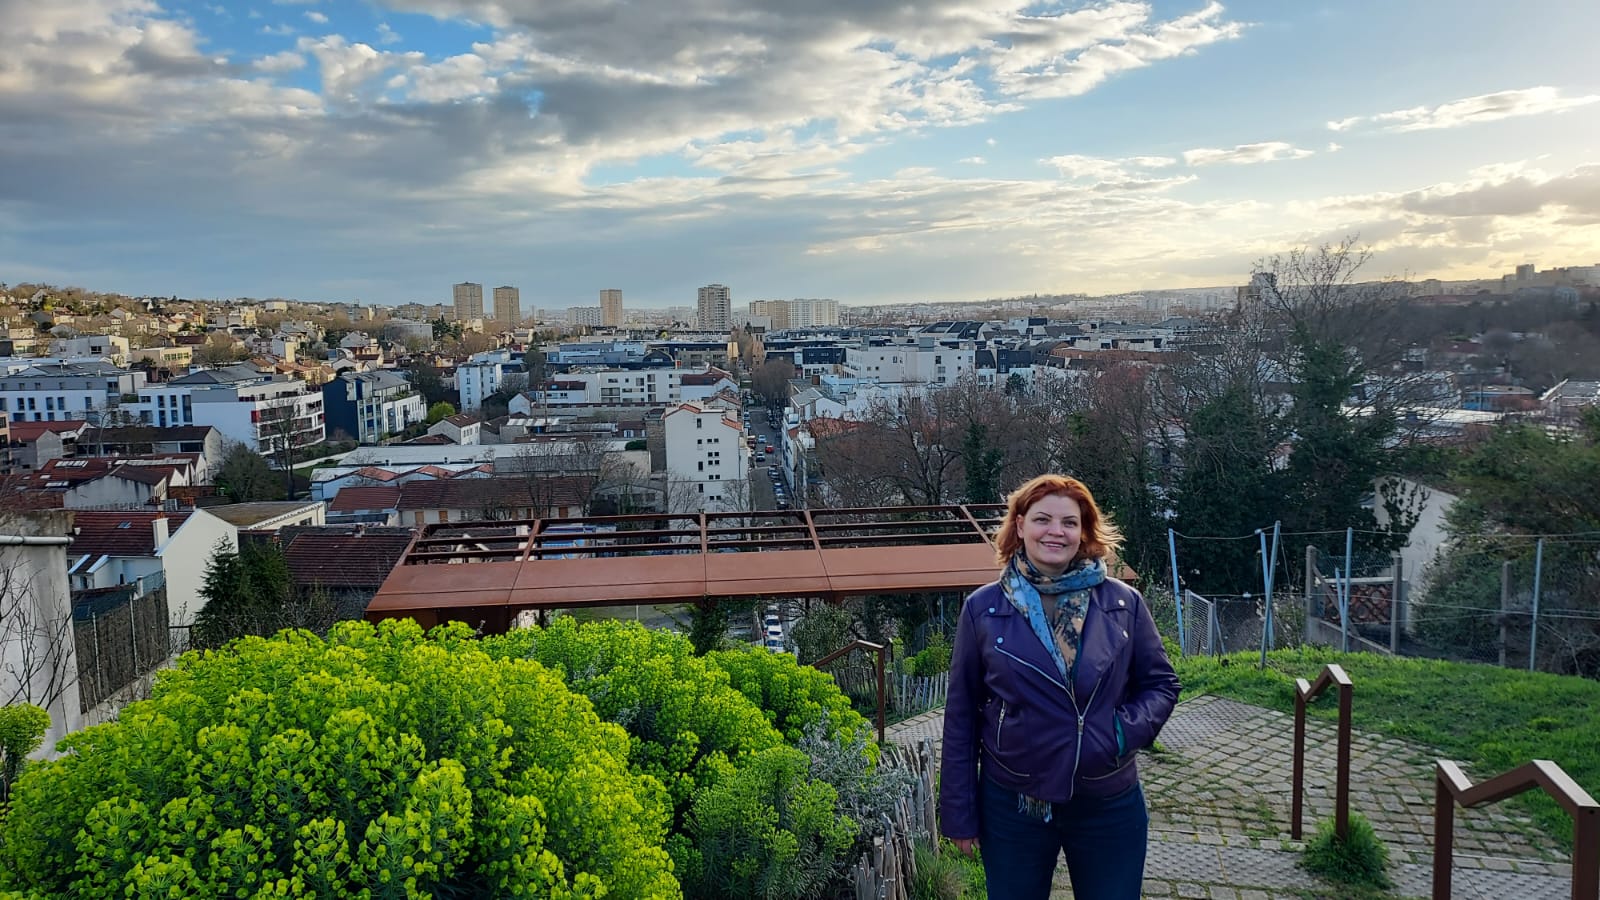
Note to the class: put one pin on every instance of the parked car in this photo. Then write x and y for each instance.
(761, 457)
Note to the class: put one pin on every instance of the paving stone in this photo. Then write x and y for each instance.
(1223, 782)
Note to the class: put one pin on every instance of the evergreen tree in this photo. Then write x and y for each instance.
(982, 465)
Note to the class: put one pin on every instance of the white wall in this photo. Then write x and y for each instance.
(706, 459)
(1427, 537)
(185, 555)
(36, 587)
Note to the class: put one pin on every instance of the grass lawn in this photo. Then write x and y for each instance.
(1489, 718)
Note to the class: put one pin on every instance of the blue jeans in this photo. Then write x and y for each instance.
(1103, 838)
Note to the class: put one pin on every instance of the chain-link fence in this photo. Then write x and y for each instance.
(1514, 600)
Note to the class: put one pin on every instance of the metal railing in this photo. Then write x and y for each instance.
(1304, 693)
(1451, 786)
(870, 647)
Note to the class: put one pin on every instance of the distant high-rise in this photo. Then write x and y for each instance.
(813, 313)
(508, 306)
(610, 307)
(715, 308)
(469, 301)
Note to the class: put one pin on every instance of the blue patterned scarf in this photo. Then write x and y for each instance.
(1061, 629)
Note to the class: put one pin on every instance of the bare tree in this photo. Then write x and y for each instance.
(37, 639)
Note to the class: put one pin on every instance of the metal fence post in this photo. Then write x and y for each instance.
(1505, 609)
(1344, 595)
(1395, 609)
(1533, 625)
(1311, 586)
(1177, 592)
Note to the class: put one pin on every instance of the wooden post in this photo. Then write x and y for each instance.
(1444, 832)
(1296, 809)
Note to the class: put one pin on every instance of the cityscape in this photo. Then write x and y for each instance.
(511, 449)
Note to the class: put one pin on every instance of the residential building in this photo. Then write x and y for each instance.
(102, 346)
(706, 460)
(625, 387)
(468, 298)
(267, 413)
(610, 307)
(481, 375)
(813, 313)
(117, 547)
(35, 443)
(586, 316)
(530, 496)
(271, 515)
(924, 361)
(715, 308)
(372, 505)
(135, 482)
(371, 406)
(461, 428)
(507, 306)
(83, 390)
(347, 562)
(203, 441)
(775, 312)
(6, 463)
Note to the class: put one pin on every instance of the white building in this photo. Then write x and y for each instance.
(715, 308)
(102, 346)
(813, 313)
(82, 390)
(263, 412)
(117, 547)
(925, 361)
(626, 386)
(481, 375)
(707, 463)
(589, 316)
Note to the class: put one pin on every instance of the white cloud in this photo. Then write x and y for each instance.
(387, 35)
(281, 30)
(1470, 110)
(1074, 166)
(974, 161)
(991, 141)
(287, 61)
(317, 17)
(1335, 146)
(1245, 154)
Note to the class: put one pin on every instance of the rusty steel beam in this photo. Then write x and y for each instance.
(449, 573)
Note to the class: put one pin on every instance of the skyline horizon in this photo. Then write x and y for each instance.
(876, 152)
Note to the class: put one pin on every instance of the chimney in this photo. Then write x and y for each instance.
(158, 526)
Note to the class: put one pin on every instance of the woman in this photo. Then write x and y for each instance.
(1057, 680)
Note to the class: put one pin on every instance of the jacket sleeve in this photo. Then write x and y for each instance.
(1153, 685)
(958, 768)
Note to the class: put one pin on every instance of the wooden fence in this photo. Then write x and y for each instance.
(885, 871)
(907, 693)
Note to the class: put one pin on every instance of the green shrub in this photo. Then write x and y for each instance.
(768, 831)
(1361, 859)
(22, 729)
(947, 875)
(933, 659)
(379, 762)
(793, 697)
(688, 726)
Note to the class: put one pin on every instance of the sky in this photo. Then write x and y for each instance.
(872, 151)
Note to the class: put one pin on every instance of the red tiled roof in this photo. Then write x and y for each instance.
(375, 473)
(357, 499)
(27, 432)
(486, 494)
(342, 556)
(461, 420)
(119, 532)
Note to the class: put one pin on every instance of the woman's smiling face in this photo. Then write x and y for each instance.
(1052, 532)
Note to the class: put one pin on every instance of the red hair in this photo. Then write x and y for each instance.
(1100, 537)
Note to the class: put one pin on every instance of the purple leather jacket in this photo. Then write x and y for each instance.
(1010, 712)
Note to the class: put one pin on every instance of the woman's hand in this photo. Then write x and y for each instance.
(965, 845)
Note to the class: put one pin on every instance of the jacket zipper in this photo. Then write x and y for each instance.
(1000, 726)
(1082, 713)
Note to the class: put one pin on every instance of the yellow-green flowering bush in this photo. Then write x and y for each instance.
(378, 763)
(793, 697)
